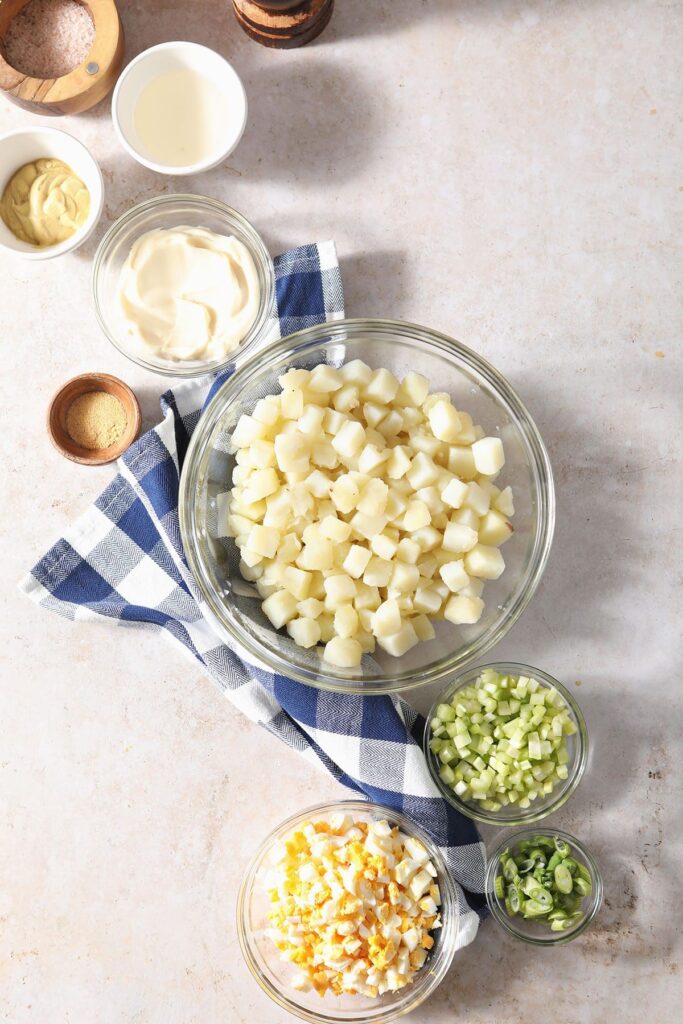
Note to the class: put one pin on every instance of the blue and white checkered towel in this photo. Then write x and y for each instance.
(123, 560)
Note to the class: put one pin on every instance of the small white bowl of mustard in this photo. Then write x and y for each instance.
(51, 193)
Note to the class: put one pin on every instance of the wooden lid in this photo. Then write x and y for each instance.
(283, 25)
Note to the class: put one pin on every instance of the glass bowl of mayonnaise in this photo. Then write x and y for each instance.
(183, 285)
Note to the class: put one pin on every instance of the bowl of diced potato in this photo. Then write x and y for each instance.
(366, 506)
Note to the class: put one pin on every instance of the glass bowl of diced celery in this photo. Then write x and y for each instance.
(543, 887)
(506, 744)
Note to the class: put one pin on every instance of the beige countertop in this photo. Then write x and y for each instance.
(506, 172)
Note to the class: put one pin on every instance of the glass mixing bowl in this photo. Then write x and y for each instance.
(172, 212)
(530, 930)
(274, 975)
(577, 748)
(474, 386)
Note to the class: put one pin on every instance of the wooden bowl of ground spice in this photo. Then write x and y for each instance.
(93, 419)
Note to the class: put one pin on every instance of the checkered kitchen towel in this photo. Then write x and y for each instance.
(123, 561)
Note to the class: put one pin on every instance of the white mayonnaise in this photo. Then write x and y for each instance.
(188, 293)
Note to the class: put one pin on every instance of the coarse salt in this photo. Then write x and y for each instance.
(49, 38)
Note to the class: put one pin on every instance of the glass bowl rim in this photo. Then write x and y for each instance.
(258, 252)
(557, 938)
(449, 896)
(578, 766)
(413, 334)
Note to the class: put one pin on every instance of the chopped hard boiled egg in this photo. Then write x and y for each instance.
(370, 495)
(352, 906)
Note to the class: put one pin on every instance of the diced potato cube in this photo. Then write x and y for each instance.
(349, 440)
(302, 500)
(466, 517)
(297, 582)
(405, 577)
(292, 453)
(423, 628)
(382, 388)
(267, 410)
(318, 484)
(468, 433)
(311, 420)
(278, 510)
(262, 454)
(424, 441)
(333, 421)
(356, 372)
(413, 390)
(368, 526)
(335, 529)
(396, 505)
(378, 572)
(463, 611)
(428, 538)
(304, 632)
(292, 404)
(391, 425)
(262, 483)
(374, 413)
(454, 576)
(340, 589)
(383, 546)
(416, 515)
(373, 500)
(324, 378)
(288, 548)
(250, 572)
(423, 472)
(311, 608)
(372, 458)
(399, 462)
(387, 619)
(324, 455)
(485, 562)
(408, 551)
(489, 457)
(346, 620)
(326, 623)
(431, 498)
(345, 493)
(294, 378)
(427, 566)
(454, 493)
(474, 588)
(503, 503)
(461, 462)
(400, 642)
(366, 597)
(251, 558)
(459, 538)
(246, 431)
(444, 421)
(494, 529)
(263, 540)
(319, 554)
(365, 619)
(347, 398)
(477, 499)
(344, 652)
(280, 607)
(356, 561)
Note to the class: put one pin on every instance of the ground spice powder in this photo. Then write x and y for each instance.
(96, 420)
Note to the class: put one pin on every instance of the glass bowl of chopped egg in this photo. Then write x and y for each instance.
(183, 285)
(347, 912)
(366, 506)
(506, 744)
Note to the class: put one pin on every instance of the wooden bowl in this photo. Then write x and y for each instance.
(64, 398)
(81, 88)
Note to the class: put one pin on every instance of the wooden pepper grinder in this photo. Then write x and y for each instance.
(283, 23)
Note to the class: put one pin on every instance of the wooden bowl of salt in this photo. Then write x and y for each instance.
(59, 56)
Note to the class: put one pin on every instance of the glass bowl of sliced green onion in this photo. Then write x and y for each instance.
(506, 744)
(543, 887)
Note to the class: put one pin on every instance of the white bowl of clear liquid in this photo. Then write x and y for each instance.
(179, 108)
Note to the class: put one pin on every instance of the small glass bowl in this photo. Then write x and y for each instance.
(273, 974)
(172, 212)
(577, 747)
(474, 385)
(531, 930)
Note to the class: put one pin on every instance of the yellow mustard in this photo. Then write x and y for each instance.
(45, 203)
